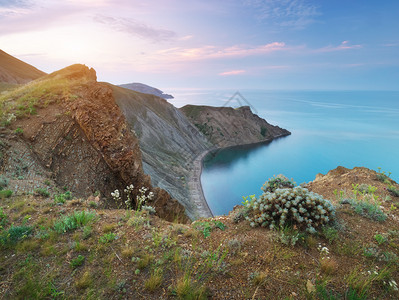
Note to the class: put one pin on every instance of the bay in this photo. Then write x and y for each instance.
(329, 129)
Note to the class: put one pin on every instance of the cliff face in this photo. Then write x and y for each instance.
(15, 71)
(82, 140)
(226, 126)
(168, 141)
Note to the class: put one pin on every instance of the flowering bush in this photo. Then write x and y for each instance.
(277, 182)
(141, 198)
(293, 206)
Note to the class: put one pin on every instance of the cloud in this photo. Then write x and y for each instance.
(25, 16)
(296, 14)
(186, 38)
(136, 28)
(391, 45)
(214, 52)
(233, 72)
(343, 46)
(14, 3)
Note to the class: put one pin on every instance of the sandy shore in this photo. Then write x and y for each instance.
(195, 186)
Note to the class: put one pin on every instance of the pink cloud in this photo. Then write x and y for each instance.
(233, 72)
(343, 46)
(212, 52)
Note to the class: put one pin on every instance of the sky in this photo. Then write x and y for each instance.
(212, 44)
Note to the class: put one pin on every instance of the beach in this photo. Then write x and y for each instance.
(195, 188)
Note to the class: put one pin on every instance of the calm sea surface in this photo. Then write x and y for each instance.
(329, 129)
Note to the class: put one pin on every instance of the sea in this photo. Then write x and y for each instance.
(329, 129)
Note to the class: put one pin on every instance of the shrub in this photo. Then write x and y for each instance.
(3, 219)
(108, 238)
(42, 192)
(381, 239)
(330, 233)
(367, 209)
(61, 198)
(206, 227)
(394, 191)
(151, 210)
(277, 182)
(19, 131)
(240, 214)
(15, 234)
(290, 207)
(5, 194)
(76, 262)
(263, 131)
(3, 182)
(73, 221)
(289, 236)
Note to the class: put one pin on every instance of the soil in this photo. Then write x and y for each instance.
(231, 262)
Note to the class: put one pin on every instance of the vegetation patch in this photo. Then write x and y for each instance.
(14, 234)
(292, 206)
(73, 221)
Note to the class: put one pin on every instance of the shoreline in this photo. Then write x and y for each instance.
(197, 192)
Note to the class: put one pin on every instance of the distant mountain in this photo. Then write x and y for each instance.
(146, 89)
(15, 71)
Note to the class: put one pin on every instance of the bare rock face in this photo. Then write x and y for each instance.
(227, 126)
(85, 142)
(168, 141)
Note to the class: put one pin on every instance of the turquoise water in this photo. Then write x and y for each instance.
(329, 129)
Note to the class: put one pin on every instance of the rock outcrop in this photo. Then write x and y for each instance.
(227, 126)
(15, 71)
(169, 144)
(83, 140)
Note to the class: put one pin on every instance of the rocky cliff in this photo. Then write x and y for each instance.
(15, 71)
(75, 133)
(169, 144)
(227, 126)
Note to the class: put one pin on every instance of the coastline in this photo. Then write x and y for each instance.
(195, 185)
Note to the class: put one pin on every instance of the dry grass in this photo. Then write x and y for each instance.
(193, 268)
(155, 280)
(328, 266)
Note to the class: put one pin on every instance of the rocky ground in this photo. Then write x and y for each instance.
(123, 254)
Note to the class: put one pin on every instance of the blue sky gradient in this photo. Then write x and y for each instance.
(264, 44)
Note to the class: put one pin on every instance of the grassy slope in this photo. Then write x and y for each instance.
(124, 254)
(22, 101)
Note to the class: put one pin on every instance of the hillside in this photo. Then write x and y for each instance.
(146, 89)
(169, 145)
(124, 254)
(15, 71)
(226, 126)
(66, 130)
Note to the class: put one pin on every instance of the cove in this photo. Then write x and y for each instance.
(359, 129)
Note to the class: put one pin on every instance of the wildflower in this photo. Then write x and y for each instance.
(393, 285)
